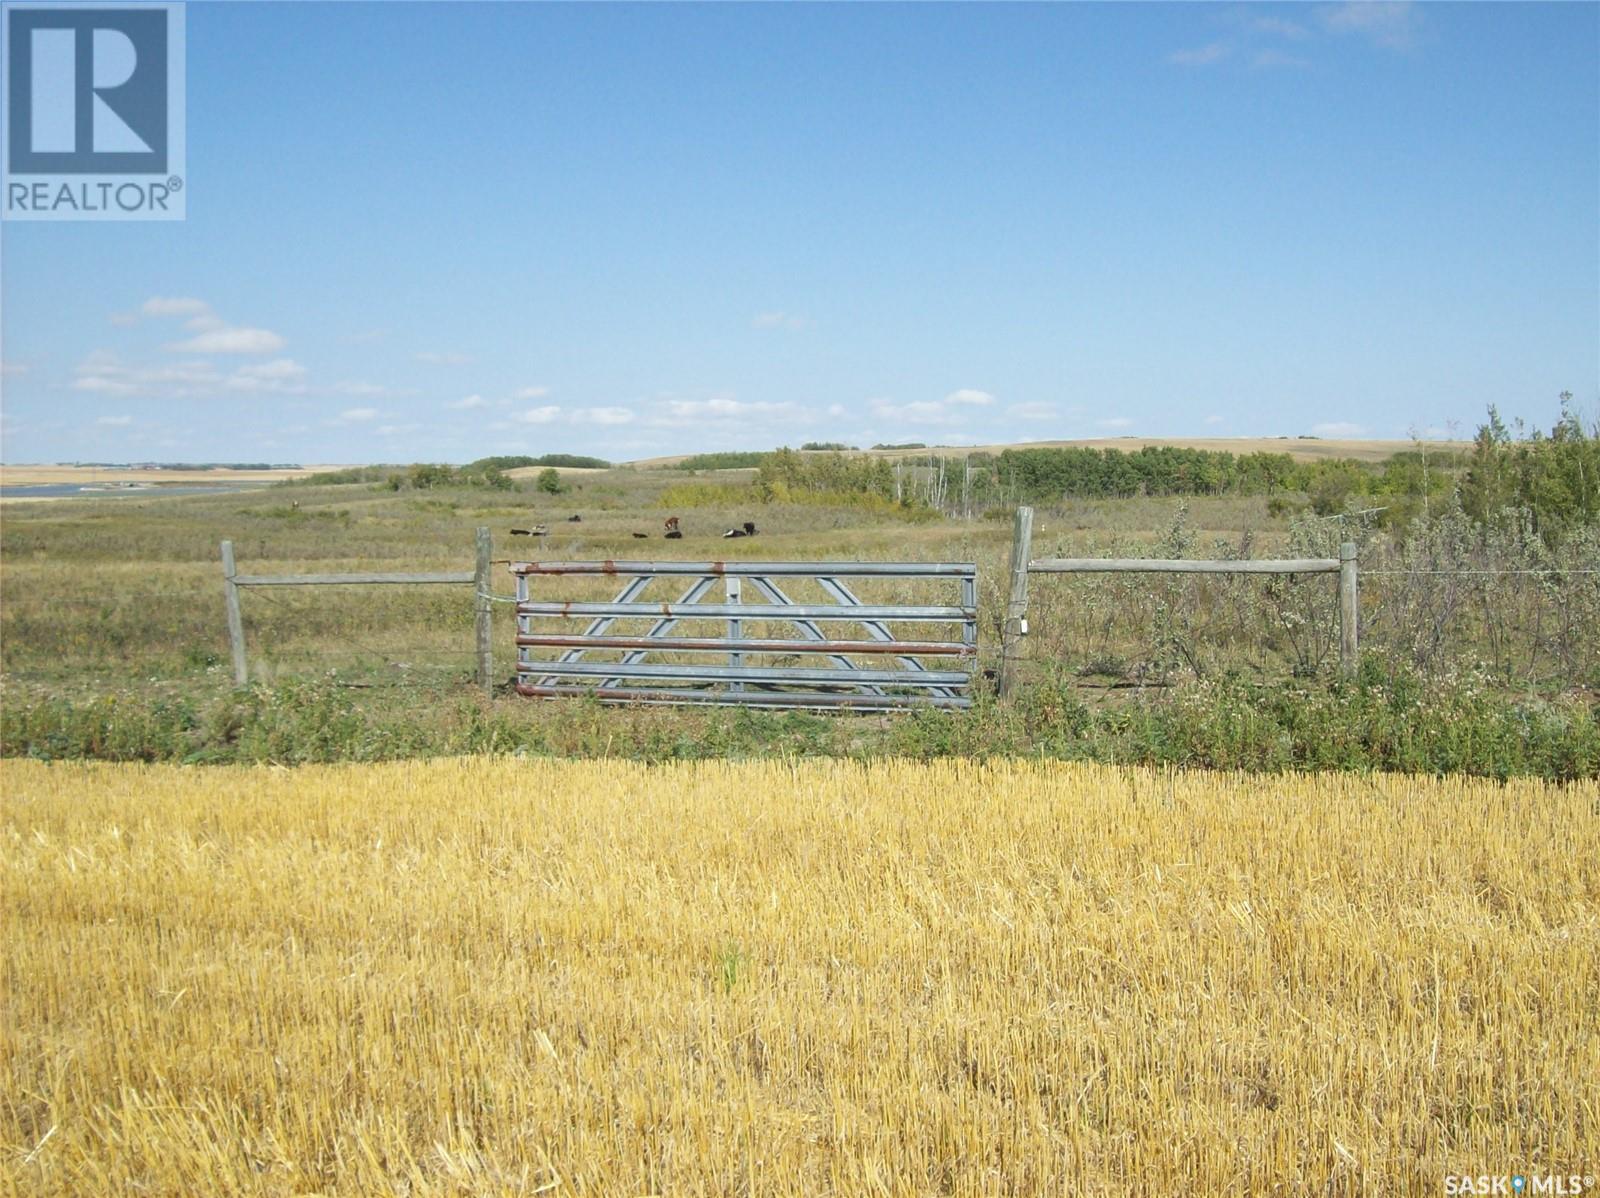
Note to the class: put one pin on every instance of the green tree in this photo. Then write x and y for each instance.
(426, 475)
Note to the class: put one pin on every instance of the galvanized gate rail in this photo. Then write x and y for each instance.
(685, 668)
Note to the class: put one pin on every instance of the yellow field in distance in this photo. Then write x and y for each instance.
(503, 977)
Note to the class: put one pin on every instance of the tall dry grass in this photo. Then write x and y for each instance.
(497, 977)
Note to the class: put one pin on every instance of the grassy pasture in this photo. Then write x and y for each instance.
(98, 590)
(113, 643)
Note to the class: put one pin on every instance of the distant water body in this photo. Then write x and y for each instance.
(100, 491)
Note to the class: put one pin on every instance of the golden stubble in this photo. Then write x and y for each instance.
(491, 976)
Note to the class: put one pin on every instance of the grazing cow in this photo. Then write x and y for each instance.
(673, 533)
(749, 528)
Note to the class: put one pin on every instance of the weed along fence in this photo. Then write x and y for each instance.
(478, 577)
(1023, 564)
(753, 634)
(846, 635)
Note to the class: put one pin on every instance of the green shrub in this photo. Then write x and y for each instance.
(1388, 718)
(735, 460)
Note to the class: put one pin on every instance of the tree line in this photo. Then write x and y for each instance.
(1552, 479)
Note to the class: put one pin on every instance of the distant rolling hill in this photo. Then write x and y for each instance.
(1303, 449)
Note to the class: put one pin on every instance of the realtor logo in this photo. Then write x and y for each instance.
(94, 125)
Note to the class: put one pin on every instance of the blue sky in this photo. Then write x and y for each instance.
(438, 232)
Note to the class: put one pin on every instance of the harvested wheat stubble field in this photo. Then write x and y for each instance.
(489, 976)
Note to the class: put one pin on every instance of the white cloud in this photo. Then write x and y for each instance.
(394, 430)
(1032, 411)
(1278, 25)
(1213, 419)
(278, 368)
(433, 358)
(552, 413)
(358, 415)
(103, 373)
(836, 409)
(925, 411)
(213, 335)
(104, 385)
(1338, 428)
(1115, 422)
(1392, 24)
(603, 416)
(722, 407)
(115, 421)
(358, 387)
(280, 374)
(779, 320)
(467, 403)
(227, 340)
(919, 412)
(13, 368)
(160, 305)
(1252, 33)
(1201, 55)
(530, 393)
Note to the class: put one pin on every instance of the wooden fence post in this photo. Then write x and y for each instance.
(230, 592)
(1349, 611)
(485, 613)
(1016, 622)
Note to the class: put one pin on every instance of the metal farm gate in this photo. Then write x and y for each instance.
(733, 634)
